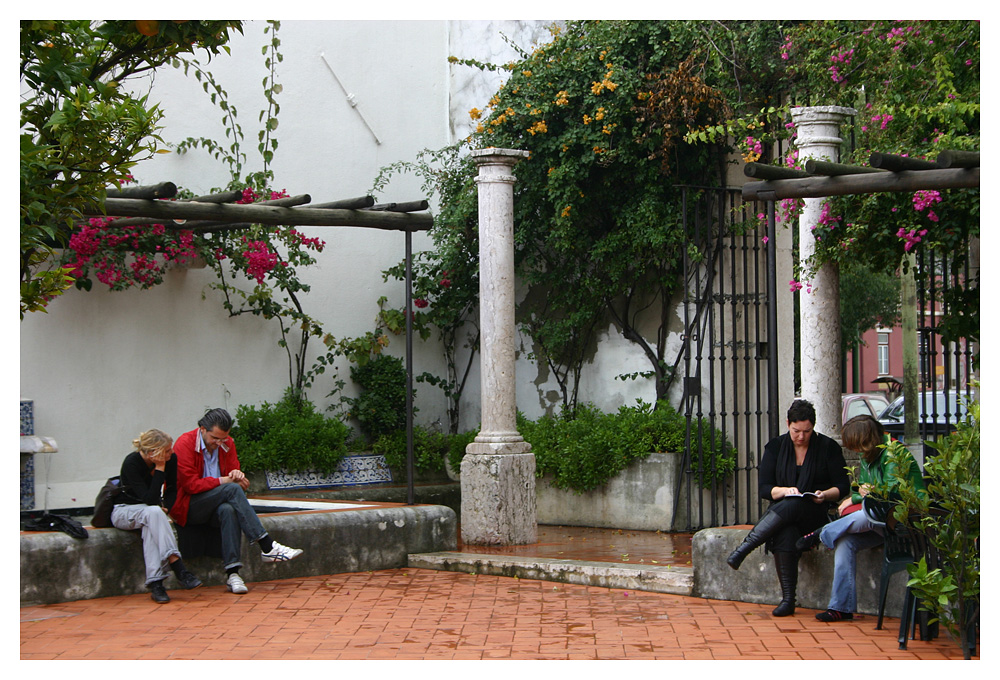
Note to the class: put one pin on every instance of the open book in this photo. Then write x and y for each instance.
(807, 494)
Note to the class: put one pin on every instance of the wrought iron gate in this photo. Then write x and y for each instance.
(728, 366)
(945, 385)
(727, 391)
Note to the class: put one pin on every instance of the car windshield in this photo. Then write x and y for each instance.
(929, 405)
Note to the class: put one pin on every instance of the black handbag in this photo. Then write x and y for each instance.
(107, 497)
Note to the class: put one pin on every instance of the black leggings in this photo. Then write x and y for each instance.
(799, 517)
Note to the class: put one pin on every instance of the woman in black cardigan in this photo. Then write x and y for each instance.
(799, 462)
(144, 473)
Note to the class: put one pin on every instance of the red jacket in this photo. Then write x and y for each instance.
(191, 465)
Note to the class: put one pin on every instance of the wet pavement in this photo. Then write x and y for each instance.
(411, 614)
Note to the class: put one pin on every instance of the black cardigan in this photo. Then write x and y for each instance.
(823, 467)
(143, 484)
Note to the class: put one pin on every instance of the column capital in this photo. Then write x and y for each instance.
(809, 114)
(818, 129)
(494, 156)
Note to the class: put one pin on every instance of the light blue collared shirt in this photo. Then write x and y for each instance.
(211, 459)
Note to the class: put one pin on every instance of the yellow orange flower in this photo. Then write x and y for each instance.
(475, 114)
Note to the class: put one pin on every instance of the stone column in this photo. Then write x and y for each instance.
(818, 137)
(498, 472)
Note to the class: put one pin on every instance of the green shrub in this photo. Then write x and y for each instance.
(949, 518)
(429, 449)
(583, 450)
(289, 435)
(380, 408)
(457, 444)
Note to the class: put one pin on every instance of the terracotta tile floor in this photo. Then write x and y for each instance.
(408, 614)
(421, 614)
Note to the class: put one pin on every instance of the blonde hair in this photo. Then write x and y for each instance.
(152, 440)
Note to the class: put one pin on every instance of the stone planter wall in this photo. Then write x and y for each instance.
(639, 498)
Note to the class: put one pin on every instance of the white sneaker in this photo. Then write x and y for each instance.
(236, 585)
(280, 553)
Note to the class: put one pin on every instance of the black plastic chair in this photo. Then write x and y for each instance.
(897, 549)
(911, 605)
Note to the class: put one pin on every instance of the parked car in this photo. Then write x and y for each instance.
(863, 405)
(939, 414)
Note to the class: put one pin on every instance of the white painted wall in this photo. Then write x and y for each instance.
(101, 367)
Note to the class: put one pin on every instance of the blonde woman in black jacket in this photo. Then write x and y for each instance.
(143, 474)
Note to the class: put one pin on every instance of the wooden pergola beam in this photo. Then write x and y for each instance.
(267, 214)
(906, 180)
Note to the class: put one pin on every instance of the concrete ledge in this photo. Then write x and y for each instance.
(659, 579)
(756, 581)
(447, 493)
(58, 568)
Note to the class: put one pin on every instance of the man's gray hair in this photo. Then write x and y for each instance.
(217, 417)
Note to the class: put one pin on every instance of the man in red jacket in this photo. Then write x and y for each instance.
(211, 490)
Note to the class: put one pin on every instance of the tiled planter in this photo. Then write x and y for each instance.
(354, 470)
(27, 460)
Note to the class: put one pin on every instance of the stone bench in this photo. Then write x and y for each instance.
(56, 567)
(756, 581)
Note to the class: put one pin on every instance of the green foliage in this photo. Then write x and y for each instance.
(445, 280)
(868, 299)
(289, 435)
(380, 408)
(429, 449)
(949, 519)
(81, 130)
(457, 444)
(584, 449)
(916, 86)
(602, 109)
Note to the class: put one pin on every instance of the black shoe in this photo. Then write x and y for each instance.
(808, 542)
(158, 592)
(831, 615)
(188, 580)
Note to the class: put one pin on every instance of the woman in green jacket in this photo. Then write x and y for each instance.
(855, 531)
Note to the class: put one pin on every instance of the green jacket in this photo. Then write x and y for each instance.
(883, 471)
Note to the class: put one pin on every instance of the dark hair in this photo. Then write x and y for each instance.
(801, 410)
(864, 434)
(217, 417)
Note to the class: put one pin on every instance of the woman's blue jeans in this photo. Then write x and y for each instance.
(226, 507)
(846, 536)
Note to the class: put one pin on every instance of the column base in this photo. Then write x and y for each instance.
(498, 499)
(497, 445)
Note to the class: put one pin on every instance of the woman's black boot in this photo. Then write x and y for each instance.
(768, 525)
(787, 566)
